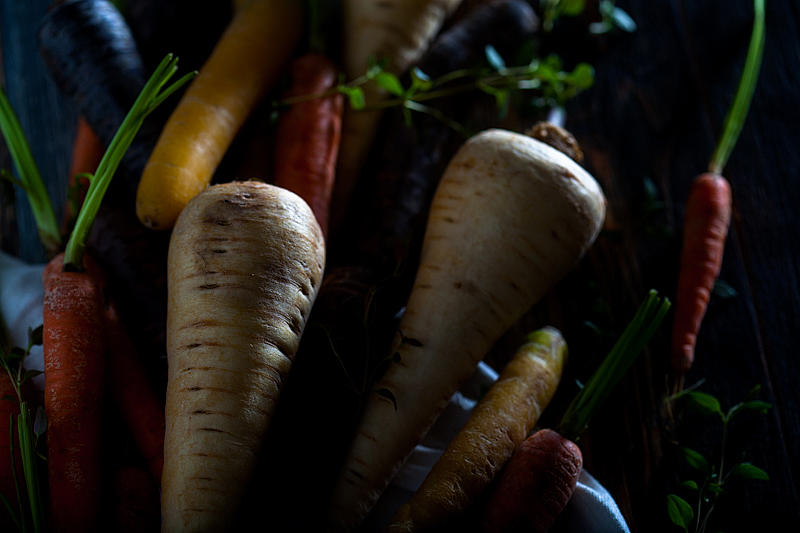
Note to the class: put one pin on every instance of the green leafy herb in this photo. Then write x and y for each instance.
(713, 480)
(622, 355)
(29, 494)
(744, 93)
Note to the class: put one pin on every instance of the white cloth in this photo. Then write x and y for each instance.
(591, 508)
(21, 298)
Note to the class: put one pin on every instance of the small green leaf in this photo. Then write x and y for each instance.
(690, 485)
(35, 335)
(30, 374)
(747, 471)
(40, 422)
(9, 397)
(494, 58)
(390, 83)
(695, 459)
(715, 488)
(679, 511)
(622, 20)
(753, 406)
(572, 8)
(582, 76)
(703, 403)
(419, 81)
(723, 290)
(355, 95)
(386, 393)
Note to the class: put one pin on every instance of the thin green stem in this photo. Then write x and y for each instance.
(150, 97)
(30, 467)
(628, 346)
(737, 113)
(30, 178)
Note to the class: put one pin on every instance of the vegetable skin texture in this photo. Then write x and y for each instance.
(308, 135)
(501, 421)
(510, 217)
(74, 366)
(397, 31)
(706, 222)
(247, 61)
(535, 485)
(246, 260)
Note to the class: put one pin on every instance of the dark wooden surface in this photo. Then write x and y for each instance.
(653, 115)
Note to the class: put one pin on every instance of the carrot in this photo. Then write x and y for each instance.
(74, 341)
(74, 345)
(708, 214)
(141, 409)
(510, 217)
(497, 427)
(246, 63)
(245, 262)
(397, 33)
(87, 150)
(535, 485)
(308, 133)
(539, 478)
(135, 506)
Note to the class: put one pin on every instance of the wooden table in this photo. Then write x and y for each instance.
(648, 127)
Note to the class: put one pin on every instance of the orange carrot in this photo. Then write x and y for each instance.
(708, 213)
(535, 485)
(87, 150)
(129, 388)
(74, 345)
(308, 134)
(706, 222)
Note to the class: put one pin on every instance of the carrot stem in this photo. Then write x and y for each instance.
(149, 98)
(622, 355)
(744, 93)
(30, 179)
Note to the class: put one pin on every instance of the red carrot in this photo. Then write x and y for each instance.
(136, 401)
(135, 505)
(708, 215)
(543, 469)
(308, 134)
(74, 345)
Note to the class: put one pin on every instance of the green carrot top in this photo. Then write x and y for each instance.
(737, 113)
(149, 98)
(622, 355)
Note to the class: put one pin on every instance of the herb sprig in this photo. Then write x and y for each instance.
(711, 481)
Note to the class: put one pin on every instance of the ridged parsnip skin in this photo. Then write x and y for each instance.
(397, 32)
(510, 217)
(245, 263)
(500, 422)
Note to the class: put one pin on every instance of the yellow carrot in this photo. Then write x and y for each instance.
(498, 425)
(245, 64)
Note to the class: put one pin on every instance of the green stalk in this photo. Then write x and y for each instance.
(27, 445)
(622, 355)
(149, 98)
(30, 179)
(744, 93)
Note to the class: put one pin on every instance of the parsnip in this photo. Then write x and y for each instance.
(499, 424)
(510, 217)
(397, 32)
(245, 263)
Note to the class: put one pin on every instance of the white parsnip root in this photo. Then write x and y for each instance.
(397, 33)
(245, 263)
(511, 217)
